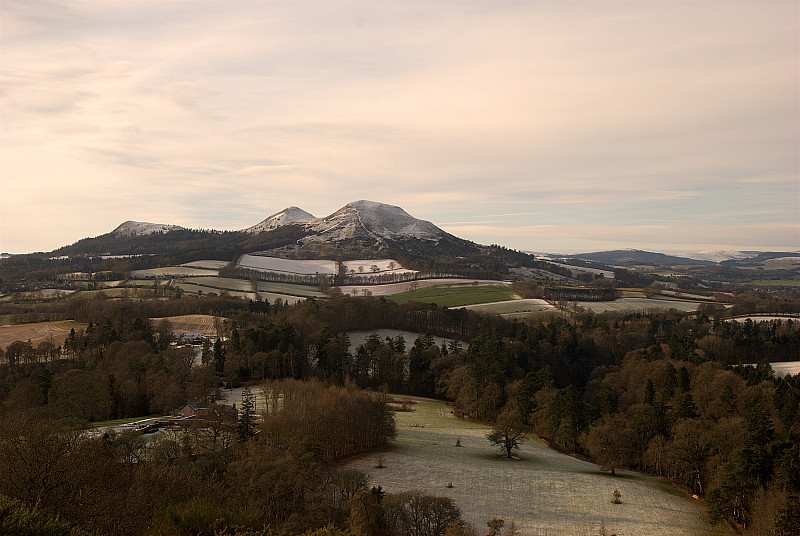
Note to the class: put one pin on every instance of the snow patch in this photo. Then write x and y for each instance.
(279, 219)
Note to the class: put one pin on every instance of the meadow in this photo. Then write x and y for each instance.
(543, 493)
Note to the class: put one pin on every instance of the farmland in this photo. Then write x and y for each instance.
(38, 332)
(287, 266)
(545, 492)
(458, 295)
(195, 324)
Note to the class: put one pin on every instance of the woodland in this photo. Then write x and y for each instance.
(667, 394)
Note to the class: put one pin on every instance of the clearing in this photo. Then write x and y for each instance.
(545, 492)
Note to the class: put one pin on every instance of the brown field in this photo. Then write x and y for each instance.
(200, 324)
(38, 332)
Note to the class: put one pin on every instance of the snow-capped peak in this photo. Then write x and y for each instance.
(139, 228)
(374, 219)
(287, 215)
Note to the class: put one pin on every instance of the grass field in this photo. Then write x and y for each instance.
(457, 295)
(38, 332)
(775, 283)
(544, 493)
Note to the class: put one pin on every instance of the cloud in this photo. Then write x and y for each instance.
(220, 113)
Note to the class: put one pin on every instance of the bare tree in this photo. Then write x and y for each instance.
(508, 432)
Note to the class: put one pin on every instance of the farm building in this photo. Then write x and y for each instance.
(200, 409)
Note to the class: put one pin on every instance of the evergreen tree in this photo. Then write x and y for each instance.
(247, 414)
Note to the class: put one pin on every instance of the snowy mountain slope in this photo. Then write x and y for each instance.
(279, 219)
(139, 228)
(368, 219)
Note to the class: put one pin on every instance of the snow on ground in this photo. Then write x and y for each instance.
(787, 367)
(289, 266)
(370, 267)
(545, 492)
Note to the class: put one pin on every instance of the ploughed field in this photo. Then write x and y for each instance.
(38, 332)
(544, 493)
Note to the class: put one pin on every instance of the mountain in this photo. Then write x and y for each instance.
(285, 216)
(368, 219)
(138, 228)
(364, 228)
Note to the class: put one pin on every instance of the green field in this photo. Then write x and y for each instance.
(457, 295)
(776, 283)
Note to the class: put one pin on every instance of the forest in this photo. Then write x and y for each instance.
(665, 393)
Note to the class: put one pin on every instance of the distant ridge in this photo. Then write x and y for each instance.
(635, 256)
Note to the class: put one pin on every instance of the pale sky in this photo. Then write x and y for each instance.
(554, 126)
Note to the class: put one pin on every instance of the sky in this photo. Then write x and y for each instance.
(552, 126)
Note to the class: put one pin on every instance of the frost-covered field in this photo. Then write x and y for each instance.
(544, 493)
(289, 266)
(787, 367)
(632, 305)
(375, 266)
(531, 305)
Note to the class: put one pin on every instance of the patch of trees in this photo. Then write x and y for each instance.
(349, 420)
(209, 479)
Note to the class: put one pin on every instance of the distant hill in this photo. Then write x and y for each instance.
(623, 257)
(358, 230)
(138, 228)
